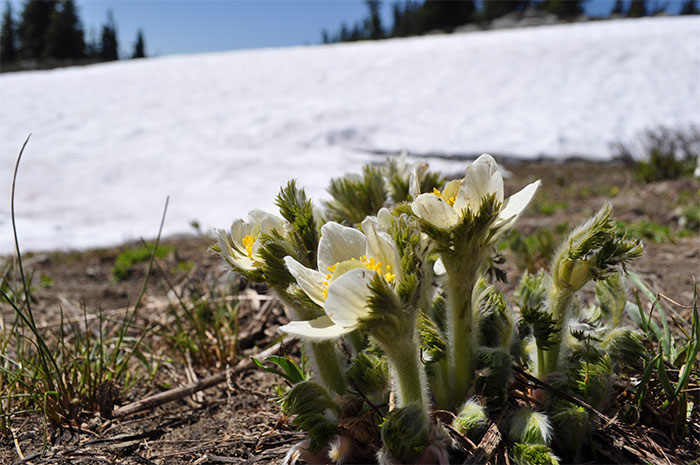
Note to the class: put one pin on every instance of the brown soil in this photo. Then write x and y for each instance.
(238, 421)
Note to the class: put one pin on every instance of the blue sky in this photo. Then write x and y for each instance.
(192, 26)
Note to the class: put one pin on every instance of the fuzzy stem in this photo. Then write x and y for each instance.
(561, 301)
(323, 355)
(541, 361)
(460, 334)
(356, 339)
(404, 358)
(325, 359)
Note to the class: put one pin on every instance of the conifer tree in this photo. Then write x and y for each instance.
(33, 30)
(689, 8)
(447, 15)
(92, 46)
(562, 8)
(139, 46)
(8, 36)
(344, 32)
(617, 9)
(374, 22)
(492, 9)
(109, 46)
(407, 19)
(65, 35)
(637, 9)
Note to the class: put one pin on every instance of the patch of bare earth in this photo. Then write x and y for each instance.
(236, 420)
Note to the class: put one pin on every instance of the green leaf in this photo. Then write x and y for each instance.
(290, 370)
(646, 376)
(356, 197)
(663, 378)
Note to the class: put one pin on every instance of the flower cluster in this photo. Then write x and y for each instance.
(391, 298)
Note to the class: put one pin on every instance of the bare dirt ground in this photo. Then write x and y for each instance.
(237, 421)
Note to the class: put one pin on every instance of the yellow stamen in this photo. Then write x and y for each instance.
(369, 263)
(450, 201)
(248, 242)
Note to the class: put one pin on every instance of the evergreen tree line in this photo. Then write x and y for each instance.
(51, 31)
(413, 17)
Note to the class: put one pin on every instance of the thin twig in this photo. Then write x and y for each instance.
(449, 427)
(189, 389)
(562, 394)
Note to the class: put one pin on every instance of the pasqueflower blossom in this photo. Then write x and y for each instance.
(348, 260)
(240, 248)
(483, 178)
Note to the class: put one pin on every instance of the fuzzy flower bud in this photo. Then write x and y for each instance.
(471, 420)
(369, 373)
(530, 427)
(533, 454)
(572, 275)
(405, 433)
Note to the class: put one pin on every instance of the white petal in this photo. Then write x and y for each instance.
(270, 223)
(244, 262)
(256, 216)
(435, 211)
(339, 243)
(233, 256)
(347, 297)
(482, 179)
(239, 229)
(380, 245)
(224, 243)
(320, 329)
(384, 218)
(310, 281)
(417, 173)
(452, 189)
(516, 203)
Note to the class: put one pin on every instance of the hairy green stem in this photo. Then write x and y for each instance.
(561, 301)
(460, 335)
(404, 358)
(541, 361)
(325, 359)
(323, 355)
(357, 340)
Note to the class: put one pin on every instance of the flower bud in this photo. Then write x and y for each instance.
(405, 433)
(533, 454)
(368, 373)
(306, 397)
(493, 374)
(471, 420)
(572, 274)
(530, 427)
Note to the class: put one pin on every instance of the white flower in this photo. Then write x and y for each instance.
(348, 260)
(483, 178)
(241, 248)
